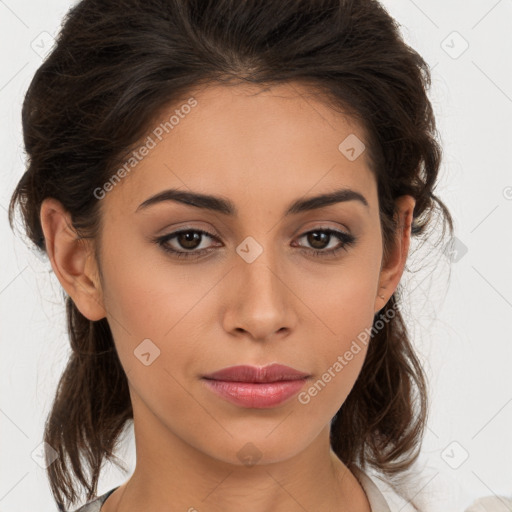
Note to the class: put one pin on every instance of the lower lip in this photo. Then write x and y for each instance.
(256, 395)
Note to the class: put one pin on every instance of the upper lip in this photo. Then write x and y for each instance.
(246, 373)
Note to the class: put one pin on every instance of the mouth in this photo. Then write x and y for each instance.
(254, 387)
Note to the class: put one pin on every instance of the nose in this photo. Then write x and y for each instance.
(259, 301)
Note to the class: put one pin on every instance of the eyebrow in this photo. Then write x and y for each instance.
(225, 206)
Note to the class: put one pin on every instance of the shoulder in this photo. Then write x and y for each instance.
(95, 504)
(421, 488)
(381, 494)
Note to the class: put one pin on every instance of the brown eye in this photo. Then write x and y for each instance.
(189, 239)
(318, 239)
(186, 243)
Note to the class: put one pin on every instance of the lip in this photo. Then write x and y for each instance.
(256, 387)
(255, 374)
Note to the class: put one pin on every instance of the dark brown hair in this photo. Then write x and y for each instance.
(115, 66)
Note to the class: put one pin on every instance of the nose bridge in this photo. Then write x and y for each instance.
(259, 304)
(262, 285)
(261, 281)
(259, 262)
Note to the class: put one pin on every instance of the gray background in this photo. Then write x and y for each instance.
(459, 306)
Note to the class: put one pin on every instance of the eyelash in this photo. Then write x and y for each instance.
(346, 239)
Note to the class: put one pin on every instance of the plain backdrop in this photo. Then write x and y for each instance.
(459, 306)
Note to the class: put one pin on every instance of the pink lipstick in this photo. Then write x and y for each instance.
(257, 388)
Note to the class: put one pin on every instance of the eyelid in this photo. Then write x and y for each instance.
(185, 229)
(345, 239)
(320, 225)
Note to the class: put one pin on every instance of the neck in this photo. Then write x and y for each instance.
(172, 475)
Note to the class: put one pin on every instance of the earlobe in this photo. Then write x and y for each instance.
(393, 268)
(72, 259)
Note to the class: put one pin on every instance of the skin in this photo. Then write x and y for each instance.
(262, 151)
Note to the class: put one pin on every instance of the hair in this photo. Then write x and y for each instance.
(115, 66)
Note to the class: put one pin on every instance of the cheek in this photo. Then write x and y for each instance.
(158, 308)
(146, 295)
(153, 316)
(340, 297)
(339, 355)
(343, 313)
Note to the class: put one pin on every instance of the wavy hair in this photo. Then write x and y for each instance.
(115, 65)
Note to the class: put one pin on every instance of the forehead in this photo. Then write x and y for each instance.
(249, 144)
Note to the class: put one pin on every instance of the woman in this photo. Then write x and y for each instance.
(227, 193)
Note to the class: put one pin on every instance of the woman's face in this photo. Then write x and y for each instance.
(252, 291)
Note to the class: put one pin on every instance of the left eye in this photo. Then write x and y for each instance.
(189, 242)
(320, 239)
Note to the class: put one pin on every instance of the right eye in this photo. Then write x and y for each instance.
(187, 243)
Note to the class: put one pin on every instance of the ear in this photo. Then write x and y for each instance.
(392, 269)
(73, 260)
